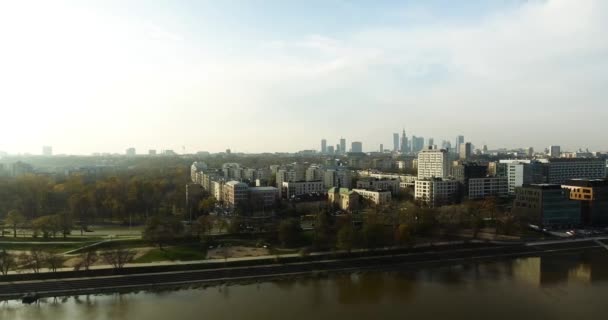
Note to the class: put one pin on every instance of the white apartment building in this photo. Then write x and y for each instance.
(436, 192)
(333, 178)
(480, 188)
(235, 193)
(297, 188)
(376, 197)
(217, 190)
(433, 163)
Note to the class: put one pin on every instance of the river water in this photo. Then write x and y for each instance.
(559, 286)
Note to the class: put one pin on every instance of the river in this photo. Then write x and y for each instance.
(558, 286)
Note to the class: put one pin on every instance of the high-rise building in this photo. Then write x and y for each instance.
(554, 151)
(459, 141)
(431, 142)
(130, 152)
(151, 152)
(381, 147)
(323, 146)
(342, 145)
(530, 152)
(404, 143)
(466, 150)
(47, 151)
(330, 149)
(356, 146)
(417, 144)
(433, 163)
(395, 142)
(518, 173)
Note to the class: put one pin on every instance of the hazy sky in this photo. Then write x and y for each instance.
(102, 76)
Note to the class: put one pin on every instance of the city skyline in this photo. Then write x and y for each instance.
(103, 76)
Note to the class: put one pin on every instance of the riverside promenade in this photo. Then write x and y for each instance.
(213, 272)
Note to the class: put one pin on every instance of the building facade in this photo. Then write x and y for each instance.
(546, 205)
(433, 163)
(380, 197)
(437, 192)
(480, 188)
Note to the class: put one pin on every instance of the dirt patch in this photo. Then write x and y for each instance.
(236, 252)
(74, 259)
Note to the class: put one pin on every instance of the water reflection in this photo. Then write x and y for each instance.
(557, 286)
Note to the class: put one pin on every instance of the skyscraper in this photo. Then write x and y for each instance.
(554, 151)
(381, 147)
(395, 142)
(417, 144)
(342, 145)
(466, 149)
(459, 141)
(356, 146)
(323, 146)
(130, 152)
(404, 145)
(431, 142)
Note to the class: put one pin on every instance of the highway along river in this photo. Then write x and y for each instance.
(557, 286)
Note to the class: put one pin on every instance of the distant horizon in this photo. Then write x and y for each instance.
(105, 75)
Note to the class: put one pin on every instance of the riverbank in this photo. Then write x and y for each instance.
(218, 272)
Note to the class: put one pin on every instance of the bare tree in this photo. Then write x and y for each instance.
(53, 261)
(118, 257)
(33, 260)
(88, 258)
(7, 262)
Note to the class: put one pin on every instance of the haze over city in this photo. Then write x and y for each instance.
(102, 76)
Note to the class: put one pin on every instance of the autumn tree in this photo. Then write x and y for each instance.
(34, 259)
(15, 219)
(289, 232)
(118, 258)
(161, 230)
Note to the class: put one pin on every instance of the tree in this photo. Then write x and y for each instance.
(117, 258)
(403, 235)
(88, 258)
(33, 260)
(15, 219)
(49, 225)
(373, 234)
(321, 236)
(289, 232)
(203, 225)
(235, 225)
(7, 262)
(346, 237)
(53, 261)
(161, 230)
(206, 205)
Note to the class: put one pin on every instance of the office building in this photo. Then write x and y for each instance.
(337, 178)
(431, 142)
(323, 146)
(235, 193)
(356, 146)
(370, 183)
(151, 152)
(592, 197)
(395, 142)
(263, 197)
(292, 190)
(47, 151)
(436, 192)
(376, 197)
(381, 148)
(130, 152)
(546, 205)
(559, 170)
(480, 188)
(342, 145)
(459, 141)
(433, 163)
(417, 144)
(554, 151)
(466, 149)
(517, 172)
(330, 150)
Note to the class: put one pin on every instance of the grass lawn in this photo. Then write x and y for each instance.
(174, 253)
(50, 246)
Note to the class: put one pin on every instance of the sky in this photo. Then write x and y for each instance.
(253, 76)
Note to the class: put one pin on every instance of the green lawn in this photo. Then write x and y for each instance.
(174, 253)
(50, 246)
